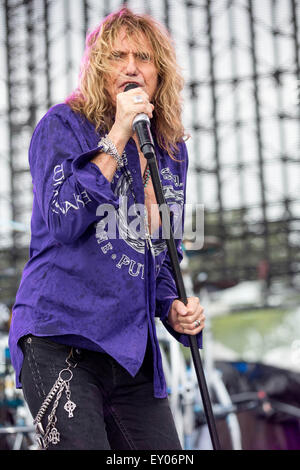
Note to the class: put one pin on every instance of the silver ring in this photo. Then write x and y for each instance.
(138, 99)
(197, 323)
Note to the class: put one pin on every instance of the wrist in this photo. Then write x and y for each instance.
(107, 146)
(118, 137)
(169, 314)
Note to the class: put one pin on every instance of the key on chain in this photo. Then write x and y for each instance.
(51, 434)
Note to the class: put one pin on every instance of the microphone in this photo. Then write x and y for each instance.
(141, 125)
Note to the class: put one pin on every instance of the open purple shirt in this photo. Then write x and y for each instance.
(79, 281)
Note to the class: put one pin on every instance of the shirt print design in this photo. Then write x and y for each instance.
(126, 233)
(80, 200)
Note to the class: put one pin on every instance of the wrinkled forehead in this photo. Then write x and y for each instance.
(125, 39)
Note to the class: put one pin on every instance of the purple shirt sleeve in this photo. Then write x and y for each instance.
(67, 186)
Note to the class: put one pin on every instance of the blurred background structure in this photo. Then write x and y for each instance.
(241, 64)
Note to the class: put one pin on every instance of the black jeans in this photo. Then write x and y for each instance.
(114, 411)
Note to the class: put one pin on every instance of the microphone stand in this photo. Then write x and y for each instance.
(141, 126)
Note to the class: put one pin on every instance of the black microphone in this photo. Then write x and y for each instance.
(141, 125)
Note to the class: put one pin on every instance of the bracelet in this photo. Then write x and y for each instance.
(109, 147)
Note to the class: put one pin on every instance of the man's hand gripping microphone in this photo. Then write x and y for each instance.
(141, 125)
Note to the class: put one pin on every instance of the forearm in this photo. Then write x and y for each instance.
(67, 189)
(106, 163)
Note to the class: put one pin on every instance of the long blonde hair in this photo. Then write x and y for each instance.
(91, 98)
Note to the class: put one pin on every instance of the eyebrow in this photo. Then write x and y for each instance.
(137, 53)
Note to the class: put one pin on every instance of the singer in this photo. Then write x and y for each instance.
(82, 339)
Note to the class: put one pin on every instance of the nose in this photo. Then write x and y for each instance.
(131, 65)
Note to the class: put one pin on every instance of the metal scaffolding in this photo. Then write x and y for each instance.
(240, 60)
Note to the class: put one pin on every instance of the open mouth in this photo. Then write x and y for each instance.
(127, 83)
